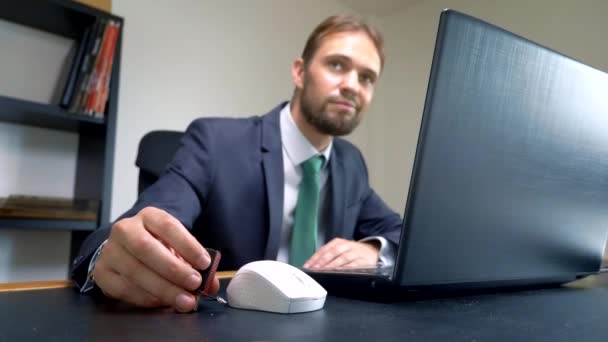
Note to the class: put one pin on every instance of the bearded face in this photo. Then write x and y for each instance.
(335, 115)
(335, 87)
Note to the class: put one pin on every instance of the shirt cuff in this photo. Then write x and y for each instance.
(90, 283)
(388, 250)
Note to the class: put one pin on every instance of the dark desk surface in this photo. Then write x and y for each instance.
(571, 313)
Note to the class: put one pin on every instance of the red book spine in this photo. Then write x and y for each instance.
(97, 71)
(108, 73)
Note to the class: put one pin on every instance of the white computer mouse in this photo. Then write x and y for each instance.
(275, 287)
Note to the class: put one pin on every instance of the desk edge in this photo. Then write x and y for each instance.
(56, 284)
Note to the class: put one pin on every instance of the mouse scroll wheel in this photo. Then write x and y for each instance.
(299, 278)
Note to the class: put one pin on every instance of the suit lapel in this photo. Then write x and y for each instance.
(337, 206)
(272, 160)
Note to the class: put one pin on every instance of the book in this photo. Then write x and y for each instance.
(70, 84)
(100, 105)
(98, 73)
(87, 66)
(86, 62)
(94, 72)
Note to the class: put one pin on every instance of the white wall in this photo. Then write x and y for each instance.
(575, 28)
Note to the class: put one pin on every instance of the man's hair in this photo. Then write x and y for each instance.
(338, 24)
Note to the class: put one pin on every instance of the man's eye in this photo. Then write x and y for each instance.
(365, 79)
(336, 65)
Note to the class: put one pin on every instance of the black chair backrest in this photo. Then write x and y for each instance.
(156, 150)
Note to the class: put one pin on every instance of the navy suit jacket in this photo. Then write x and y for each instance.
(226, 185)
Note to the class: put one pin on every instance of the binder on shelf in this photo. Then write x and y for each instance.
(99, 72)
(84, 65)
(100, 105)
(86, 92)
(70, 85)
(85, 72)
(93, 72)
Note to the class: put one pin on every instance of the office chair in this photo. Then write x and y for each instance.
(156, 150)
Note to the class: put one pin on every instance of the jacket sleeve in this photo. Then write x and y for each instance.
(182, 191)
(375, 217)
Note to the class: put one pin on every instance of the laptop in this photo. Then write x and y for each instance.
(510, 180)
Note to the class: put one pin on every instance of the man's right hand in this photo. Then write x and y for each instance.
(151, 260)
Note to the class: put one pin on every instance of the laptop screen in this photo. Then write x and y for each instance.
(510, 180)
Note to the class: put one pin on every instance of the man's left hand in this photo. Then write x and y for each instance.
(341, 253)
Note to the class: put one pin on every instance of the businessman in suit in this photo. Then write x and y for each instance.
(279, 186)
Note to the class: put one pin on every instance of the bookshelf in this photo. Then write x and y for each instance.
(95, 154)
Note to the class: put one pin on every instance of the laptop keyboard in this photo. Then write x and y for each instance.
(382, 271)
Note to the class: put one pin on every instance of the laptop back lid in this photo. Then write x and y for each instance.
(510, 180)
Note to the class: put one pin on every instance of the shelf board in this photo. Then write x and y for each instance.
(43, 115)
(46, 224)
(62, 17)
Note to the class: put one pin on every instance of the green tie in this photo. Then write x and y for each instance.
(304, 233)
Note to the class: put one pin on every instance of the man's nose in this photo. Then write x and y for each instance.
(350, 82)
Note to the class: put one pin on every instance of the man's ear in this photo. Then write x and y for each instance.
(297, 73)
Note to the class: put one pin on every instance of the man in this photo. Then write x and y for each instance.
(269, 187)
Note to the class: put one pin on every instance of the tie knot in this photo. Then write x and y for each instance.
(312, 165)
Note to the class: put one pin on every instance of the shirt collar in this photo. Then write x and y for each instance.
(297, 146)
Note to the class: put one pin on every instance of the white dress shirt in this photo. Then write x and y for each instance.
(296, 150)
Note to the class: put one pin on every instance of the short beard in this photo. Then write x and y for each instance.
(318, 117)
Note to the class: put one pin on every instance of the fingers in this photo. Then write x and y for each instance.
(340, 253)
(138, 274)
(132, 236)
(341, 260)
(169, 230)
(141, 266)
(360, 255)
(151, 260)
(115, 286)
(327, 253)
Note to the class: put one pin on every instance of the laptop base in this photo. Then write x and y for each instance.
(384, 290)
